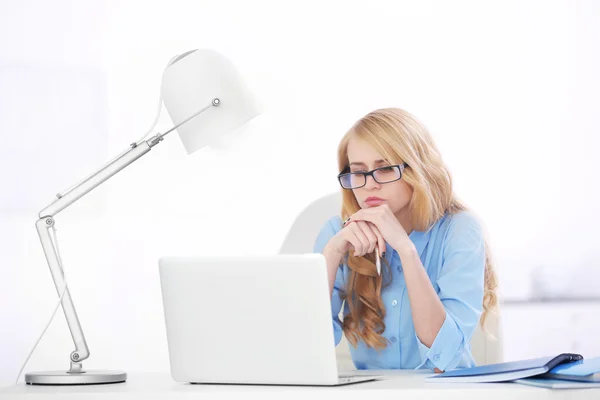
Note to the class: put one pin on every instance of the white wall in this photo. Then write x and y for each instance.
(510, 90)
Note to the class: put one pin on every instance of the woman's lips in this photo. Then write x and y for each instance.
(374, 201)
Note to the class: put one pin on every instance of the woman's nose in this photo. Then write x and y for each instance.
(371, 182)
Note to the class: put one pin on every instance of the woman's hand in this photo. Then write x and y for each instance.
(360, 236)
(382, 218)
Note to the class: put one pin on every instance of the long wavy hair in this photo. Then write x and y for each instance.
(399, 137)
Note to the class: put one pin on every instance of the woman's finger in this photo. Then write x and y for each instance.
(354, 242)
(364, 241)
(351, 236)
(380, 240)
(366, 229)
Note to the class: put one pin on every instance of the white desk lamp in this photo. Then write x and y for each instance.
(206, 99)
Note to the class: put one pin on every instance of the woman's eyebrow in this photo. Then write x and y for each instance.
(364, 165)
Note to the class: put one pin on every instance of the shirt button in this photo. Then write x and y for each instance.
(436, 357)
(394, 303)
(393, 339)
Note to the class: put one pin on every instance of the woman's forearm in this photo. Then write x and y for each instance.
(428, 312)
(332, 259)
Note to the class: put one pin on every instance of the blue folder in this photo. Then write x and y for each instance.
(506, 371)
(583, 371)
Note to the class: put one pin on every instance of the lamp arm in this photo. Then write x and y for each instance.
(46, 221)
(136, 151)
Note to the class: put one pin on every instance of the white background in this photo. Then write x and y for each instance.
(510, 91)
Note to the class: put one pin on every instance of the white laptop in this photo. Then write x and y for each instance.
(250, 320)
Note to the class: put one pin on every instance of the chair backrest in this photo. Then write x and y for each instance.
(485, 347)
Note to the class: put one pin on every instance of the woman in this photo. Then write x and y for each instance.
(436, 280)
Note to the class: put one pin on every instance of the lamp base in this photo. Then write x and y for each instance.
(75, 378)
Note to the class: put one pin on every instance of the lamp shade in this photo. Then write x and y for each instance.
(191, 82)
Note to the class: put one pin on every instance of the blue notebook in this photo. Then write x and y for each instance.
(507, 371)
(558, 383)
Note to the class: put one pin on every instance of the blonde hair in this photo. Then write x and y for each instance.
(399, 138)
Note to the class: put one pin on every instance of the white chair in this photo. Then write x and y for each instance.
(485, 347)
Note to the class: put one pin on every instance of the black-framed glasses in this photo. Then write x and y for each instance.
(355, 180)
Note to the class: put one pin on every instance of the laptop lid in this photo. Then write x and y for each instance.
(249, 319)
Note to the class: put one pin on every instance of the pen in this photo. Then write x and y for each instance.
(378, 261)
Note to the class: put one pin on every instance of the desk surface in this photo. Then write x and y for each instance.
(399, 384)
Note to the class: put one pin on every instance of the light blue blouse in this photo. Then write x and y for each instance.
(453, 254)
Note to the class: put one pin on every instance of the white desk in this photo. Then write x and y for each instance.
(396, 385)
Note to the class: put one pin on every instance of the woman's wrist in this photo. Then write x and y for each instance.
(331, 254)
(405, 249)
